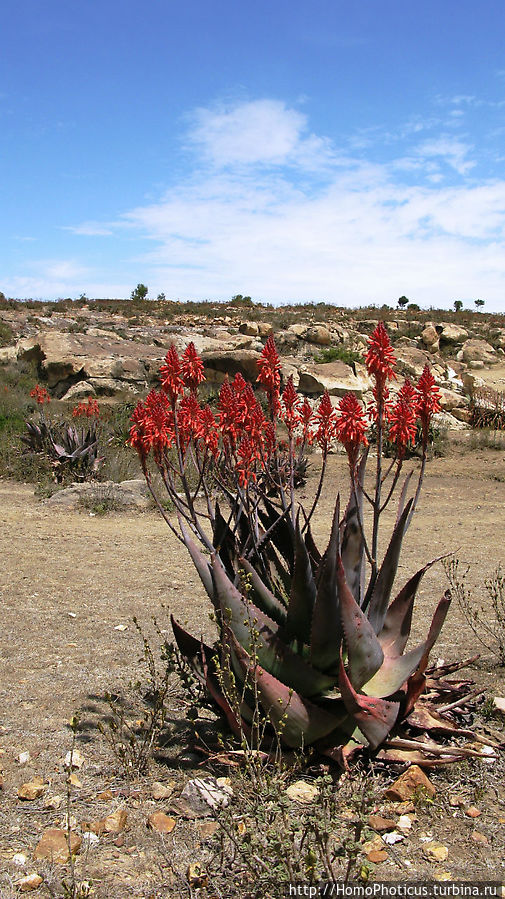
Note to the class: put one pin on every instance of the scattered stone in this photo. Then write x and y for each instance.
(393, 837)
(380, 824)
(404, 823)
(53, 846)
(90, 839)
(23, 758)
(32, 790)
(373, 845)
(207, 829)
(204, 795)
(443, 875)
(114, 823)
(376, 856)
(105, 795)
(499, 704)
(30, 882)
(160, 822)
(162, 791)
(196, 876)
(473, 812)
(19, 859)
(436, 851)
(73, 759)
(302, 791)
(412, 784)
(456, 801)
(479, 838)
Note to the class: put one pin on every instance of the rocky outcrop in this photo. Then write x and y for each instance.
(335, 377)
(477, 350)
(219, 363)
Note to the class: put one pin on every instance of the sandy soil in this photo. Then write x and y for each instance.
(68, 579)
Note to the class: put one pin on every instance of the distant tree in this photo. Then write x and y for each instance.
(479, 303)
(402, 301)
(139, 293)
(413, 307)
(161, 297)
(240, 300)
(458, 305)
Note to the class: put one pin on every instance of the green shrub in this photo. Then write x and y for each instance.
(340, 353)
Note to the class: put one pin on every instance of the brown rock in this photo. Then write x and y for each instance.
(114, 823)
(337, 378)
(249, 328)
(207, 829)
(32, 790)
(473, 812)
(436, 852)
(479, 838)
(476, 350)
(376, 856)
(380, 824)
(29, 883)
(430, 338)
(53, 846)
(318, 335)
(222, 362)
(410, 785)
(411, 361)
(160, 822)
(162, 791)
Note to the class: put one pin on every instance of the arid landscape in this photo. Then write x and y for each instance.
(73, 579)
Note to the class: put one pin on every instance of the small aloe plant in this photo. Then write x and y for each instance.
(314, 634)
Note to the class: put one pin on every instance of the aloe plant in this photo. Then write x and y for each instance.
(316, 635)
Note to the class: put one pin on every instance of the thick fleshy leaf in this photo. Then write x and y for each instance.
(314, 554)
(397, 623)
(403, 496)
(281, 530)
(199, 561)
(250, 625)
(191, 649)
(396, 670)
(374, 717)
(326, 631)
(303, 592)
(298, 721)
(364, 652)
(223, 540)
(417, 681)
(352, 544)
(265, 598)
(379, 599)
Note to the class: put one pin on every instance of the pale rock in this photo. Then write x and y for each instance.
(450, 399)
(53, 846)
(477, 350)
(436, 851)
(318, 335)
(249, 328)
(162, 791)
(53, 802)
(32, 790)
(452, 334)
(392, 837)
(204, 795)
(302, 791)
(265, 329)
(335, 377)
(73, 759)
(447, 421)
(499, 704)
(430, 338)
(23, 758)
(411, 361)
(79, 390)
(476, 365)
(218, 364)
(471, 382)
(19, 859)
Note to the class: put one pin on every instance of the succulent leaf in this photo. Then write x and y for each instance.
(374, 717)
(379, 599)
(266, 599)
(303, 591)
(364, 652)
(326, 632)
(352, 543)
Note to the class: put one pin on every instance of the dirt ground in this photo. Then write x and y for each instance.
(69, 579)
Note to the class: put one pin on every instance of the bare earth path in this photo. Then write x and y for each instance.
(68, 579)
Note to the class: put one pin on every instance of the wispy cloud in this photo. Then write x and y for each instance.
(280, 213)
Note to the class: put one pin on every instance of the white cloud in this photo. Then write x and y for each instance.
(276, 212)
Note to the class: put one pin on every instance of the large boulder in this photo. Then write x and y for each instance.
(430, 338)
(411, 361)
(218, 364)
(477, 350)
(335, 377)
(452, 334)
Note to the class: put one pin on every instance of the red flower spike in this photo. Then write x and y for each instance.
(269, 375)
(351, 427)
(402, 425)
(90, 409)
(40, 394)
(290, 406)
(380, 359)
(428, 400)
(192, 368)
(171, 375)
(153, 425)
(306, 417)
(324, 419)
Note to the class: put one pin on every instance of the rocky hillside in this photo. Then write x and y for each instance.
(114, 349)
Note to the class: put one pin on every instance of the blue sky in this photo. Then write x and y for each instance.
(326, 150)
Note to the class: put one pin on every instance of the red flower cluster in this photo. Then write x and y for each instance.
(325, 423)
(351, 427)
(90, 409)
(153, 425)
(403, 418)
(269, 375)
(380, 359)
(40, 394)
(428, 400)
